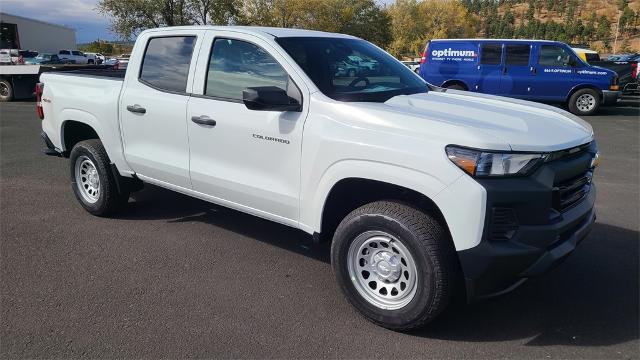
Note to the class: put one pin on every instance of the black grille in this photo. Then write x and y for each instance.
(569, 153)
(503, 224)
(570, 192)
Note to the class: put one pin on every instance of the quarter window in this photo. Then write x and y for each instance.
(491, 54)
(166, 62)
(235, 65)
(551, 55)
(517, 54)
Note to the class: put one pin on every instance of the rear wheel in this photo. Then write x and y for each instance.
(394, 263)
(6, 90)
(93, 181)
(584, 102)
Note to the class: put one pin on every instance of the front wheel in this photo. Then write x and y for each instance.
(584, 102)
(93, 181)
(394, 263)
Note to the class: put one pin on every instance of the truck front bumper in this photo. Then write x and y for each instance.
(531, 225)
(610, 97)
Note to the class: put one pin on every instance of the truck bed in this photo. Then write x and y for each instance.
(94, 72)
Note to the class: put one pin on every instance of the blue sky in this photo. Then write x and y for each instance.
(77, 14)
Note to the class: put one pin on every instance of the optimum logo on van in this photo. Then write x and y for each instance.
(455, 55)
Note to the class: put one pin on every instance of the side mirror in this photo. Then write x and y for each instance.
(269, 98)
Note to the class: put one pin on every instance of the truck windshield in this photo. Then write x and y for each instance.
(352, 69)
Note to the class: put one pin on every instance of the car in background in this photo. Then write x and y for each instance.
(45, 59)
(123, 61)
(112, 63)
(5, 57)
(16, 56)
(413, 65)
(99, 57)
(78, 57)
(537, 70)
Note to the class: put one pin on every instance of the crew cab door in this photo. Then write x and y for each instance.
(241, 158)
(153, 107)
(554, 74)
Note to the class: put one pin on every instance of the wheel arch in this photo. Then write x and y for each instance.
(455, 82)
(73, 131)
(349, 193)
(583, 86)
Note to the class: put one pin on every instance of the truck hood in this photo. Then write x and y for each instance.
(480, 120)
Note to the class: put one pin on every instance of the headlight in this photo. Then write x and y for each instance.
(488, 163)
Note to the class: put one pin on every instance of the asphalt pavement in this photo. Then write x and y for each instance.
(172, 276)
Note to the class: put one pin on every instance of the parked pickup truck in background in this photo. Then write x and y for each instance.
(538, 70)
(627, 73)
(77, 57)
(416, 187)
(626, 66)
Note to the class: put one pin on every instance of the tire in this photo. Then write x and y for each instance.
(91, 170)
(424, 261)
(584, 102)
(456, 87)
(89, 61)
(6, 90)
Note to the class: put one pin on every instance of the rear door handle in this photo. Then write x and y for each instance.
(534, 70)
(203, 120)
(136, 109)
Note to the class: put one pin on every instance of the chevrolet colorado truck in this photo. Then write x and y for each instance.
(418, 188)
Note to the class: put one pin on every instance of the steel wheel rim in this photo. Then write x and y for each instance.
(586, 102)
(87, 179)
(382, 270)
(4, 89)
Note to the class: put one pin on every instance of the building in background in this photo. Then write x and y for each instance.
(17, 32)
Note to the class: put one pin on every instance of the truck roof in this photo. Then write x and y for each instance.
(257, 30)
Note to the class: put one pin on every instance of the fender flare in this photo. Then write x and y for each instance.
(312, 207)
(81, 117)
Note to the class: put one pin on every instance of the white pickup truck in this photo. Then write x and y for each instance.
(418, 188)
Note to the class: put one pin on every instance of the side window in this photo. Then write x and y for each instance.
(235, 65)
(166, 62)
(76, 53)
(491, 54)
(517, 54)
(552, 55)
(64, 52)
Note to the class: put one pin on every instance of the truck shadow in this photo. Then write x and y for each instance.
(589, 300)
(154, 203)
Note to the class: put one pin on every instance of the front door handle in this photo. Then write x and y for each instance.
(534, 70)
(136, 109)
(203, 120)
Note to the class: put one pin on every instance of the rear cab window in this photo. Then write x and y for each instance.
(166, 62)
